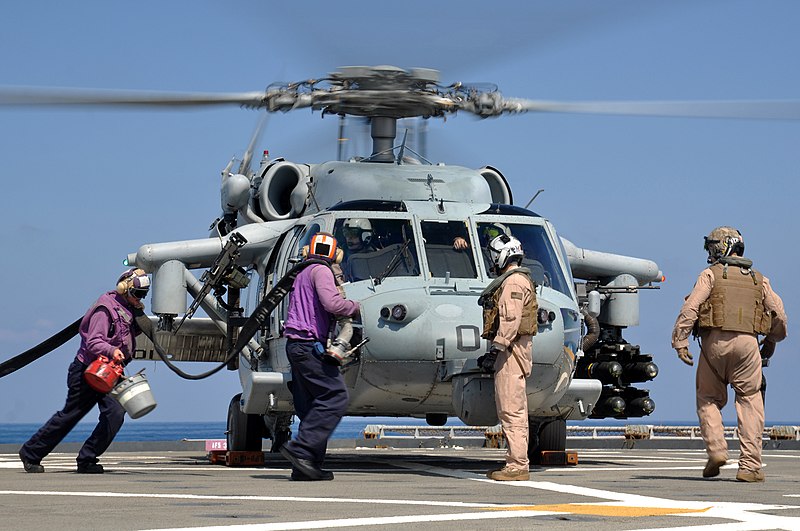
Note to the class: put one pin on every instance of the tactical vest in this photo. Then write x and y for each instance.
(735, 303)
(490, 298)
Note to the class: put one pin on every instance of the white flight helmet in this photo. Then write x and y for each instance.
(360, 227)
(503, 249)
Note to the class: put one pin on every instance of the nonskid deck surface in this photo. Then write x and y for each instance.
(443, 488)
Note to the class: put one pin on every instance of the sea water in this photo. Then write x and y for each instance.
(349, 428)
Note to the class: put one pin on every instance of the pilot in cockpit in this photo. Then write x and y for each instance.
(358, 237)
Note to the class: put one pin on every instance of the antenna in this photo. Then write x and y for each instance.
(534, 197)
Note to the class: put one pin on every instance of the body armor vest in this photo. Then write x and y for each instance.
(490, 298)
(736, 303)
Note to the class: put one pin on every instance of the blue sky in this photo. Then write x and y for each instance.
(82, 188)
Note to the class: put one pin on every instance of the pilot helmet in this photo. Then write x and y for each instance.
(503, 249)
(723, 241)
(491, 231)
(323, 245)
(358, 227)
(134, 282)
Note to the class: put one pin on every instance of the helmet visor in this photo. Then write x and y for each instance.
(351, 232)
(491, 232)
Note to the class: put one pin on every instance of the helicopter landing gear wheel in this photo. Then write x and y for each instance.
(244, 431)
(278, 429)
(280, 438)
(546, 436)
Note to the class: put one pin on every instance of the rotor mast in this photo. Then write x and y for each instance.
(383, 131)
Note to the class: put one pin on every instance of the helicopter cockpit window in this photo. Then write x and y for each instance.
(376, 248)
(305, 239)
(448, 249)
(540, 257)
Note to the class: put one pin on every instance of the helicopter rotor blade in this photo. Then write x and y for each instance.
(76, 96)
(748, 109)
(244, 167)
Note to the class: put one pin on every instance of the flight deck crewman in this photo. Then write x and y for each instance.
(730, 305)
(509, 321)
(318, 388)
(108, 329)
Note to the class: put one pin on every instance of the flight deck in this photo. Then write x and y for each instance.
(615, 487)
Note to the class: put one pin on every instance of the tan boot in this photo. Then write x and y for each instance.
(750, 476)
(492, 471)
(510, 474)
(712, 466)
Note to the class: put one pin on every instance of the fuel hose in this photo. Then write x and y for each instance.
(45, 347)
(255, 322)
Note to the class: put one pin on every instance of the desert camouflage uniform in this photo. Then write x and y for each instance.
(512, 367)
(729, 358)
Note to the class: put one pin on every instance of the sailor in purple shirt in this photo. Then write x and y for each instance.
(108, 329)
(318, 388)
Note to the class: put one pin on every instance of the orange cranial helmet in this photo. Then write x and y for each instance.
(323, 245)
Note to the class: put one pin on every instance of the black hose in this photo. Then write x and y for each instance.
(46, 346)
(147, 328)
(256, 320)
(592, 330)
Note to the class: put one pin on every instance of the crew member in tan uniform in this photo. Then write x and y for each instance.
(730, 305)
(509, 318)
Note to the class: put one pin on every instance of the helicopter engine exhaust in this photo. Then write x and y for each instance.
(283, 191)
(500, 190)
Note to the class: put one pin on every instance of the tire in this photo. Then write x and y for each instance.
(553, 436)
(244, 432)
(546, 436)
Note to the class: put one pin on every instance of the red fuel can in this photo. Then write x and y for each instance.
(102, 375)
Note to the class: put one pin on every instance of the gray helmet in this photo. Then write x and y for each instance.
(723, 241)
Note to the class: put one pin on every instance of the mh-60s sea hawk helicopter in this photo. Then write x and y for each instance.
(418, 291)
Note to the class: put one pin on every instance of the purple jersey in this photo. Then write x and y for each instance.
(108, 325)
(314, 299)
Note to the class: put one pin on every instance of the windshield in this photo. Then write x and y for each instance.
(540, 257)
(375, 247)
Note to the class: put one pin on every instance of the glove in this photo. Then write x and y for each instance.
(767, 349)
(685, 355)
(486, 362)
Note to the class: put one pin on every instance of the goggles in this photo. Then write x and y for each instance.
(139, 293)
(708, 242)
(351, 232)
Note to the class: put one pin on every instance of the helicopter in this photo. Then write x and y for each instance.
(417, 293)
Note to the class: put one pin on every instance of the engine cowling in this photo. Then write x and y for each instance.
(283, 190)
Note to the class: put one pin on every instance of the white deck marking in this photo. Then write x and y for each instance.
(94, 494)
(737, 516)
(361, 522)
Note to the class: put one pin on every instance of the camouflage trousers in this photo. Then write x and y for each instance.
(731, 358)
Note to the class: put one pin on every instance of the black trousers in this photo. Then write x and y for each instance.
(80, 400)
(320, 400)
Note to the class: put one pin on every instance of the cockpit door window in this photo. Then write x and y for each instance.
(448, 249)
(540, 256)
(376, 248)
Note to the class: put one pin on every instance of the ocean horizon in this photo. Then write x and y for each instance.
(349, 428)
